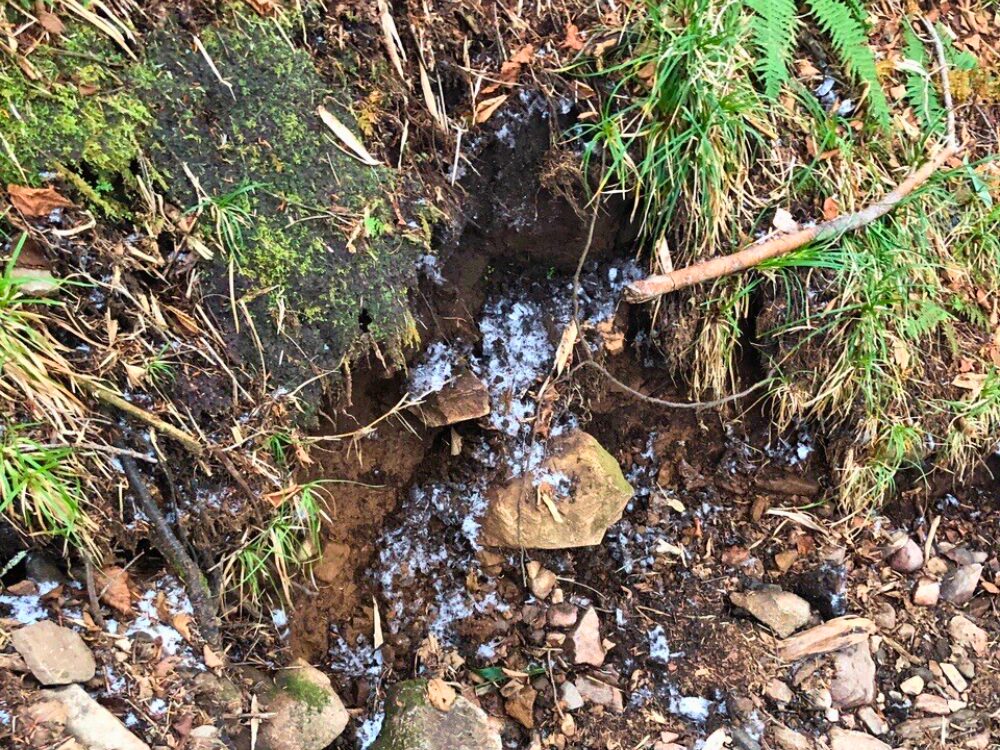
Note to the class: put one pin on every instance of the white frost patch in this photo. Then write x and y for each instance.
(428, 266)
(280, 621)
(148, 620)
(691, 707)
(28, 609)
(659, 648)
(434, 372)
(516, 352)
(368, 731)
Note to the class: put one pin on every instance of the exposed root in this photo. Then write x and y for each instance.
(169, 545)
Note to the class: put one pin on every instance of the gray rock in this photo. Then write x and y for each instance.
(854, 683)
(584, 642)
(54, 654)
(960, 585)
(845, 739)
(872, 721)
(464, 398)
(601, 693)
(570, 696)
(778, 691)
(926, 593)
(966, 633)
(307, 713)
(93, 725)
(786, 739)
(781, 611)
(908, 558)
(411, 723)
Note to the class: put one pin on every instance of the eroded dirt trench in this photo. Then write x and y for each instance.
(722, 503)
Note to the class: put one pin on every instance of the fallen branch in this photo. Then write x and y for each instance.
(113, 399)
(784, 243)
(202, 601)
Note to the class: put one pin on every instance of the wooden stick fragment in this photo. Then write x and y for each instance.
(654, 286)
(202, 601)
(113, 399)
(651, 287)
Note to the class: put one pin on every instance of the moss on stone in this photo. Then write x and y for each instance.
(76, 118)
(305, 692)
(319, 234)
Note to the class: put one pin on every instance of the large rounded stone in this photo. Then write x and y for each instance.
(412, 723)
(596, 496)
(307, 713)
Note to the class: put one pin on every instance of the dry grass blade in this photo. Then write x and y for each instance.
(354, 146)
(105, 27)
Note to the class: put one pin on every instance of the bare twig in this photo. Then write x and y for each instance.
(169, 545)
(94, 605)
(651, 287)
(110, 398)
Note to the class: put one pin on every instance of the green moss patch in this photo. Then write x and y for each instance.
(313, 232)
(74, 115)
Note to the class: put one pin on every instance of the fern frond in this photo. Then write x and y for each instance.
(774, 26)
(851, 43)
(921, 95)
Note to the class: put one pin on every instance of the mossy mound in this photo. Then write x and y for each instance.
(315, 234)
(227, 127)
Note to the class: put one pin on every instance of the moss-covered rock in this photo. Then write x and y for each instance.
(316, 235)
(307, 713)
(227, 128)
(411, 723)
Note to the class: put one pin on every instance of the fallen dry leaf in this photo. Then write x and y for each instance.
(50, 22)
(486, 108)
(831, 209)
(113, 587)
(572, 40)
(970, 381)
(181, 622)
(36, 201)
(440, 694)
(212, 659)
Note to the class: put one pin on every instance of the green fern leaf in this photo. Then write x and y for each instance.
(851, 43)
(775, 26)
(919, 92)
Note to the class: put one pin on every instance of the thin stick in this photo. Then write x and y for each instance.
(654, 286)
(169, 545)
(113, 399)
(95, 606)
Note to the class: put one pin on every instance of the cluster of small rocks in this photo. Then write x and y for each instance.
(834, 664)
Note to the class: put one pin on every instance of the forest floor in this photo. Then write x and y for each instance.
(670, 634)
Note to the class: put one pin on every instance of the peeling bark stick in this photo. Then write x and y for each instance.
(178, 557)
(651, 287)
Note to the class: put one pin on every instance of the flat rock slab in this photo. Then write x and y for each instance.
(90, 723)
(412, 723)
(465, 398)
(844, 739)
(54, 654)
(781, 611)
(854, 684)
(596, 497)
